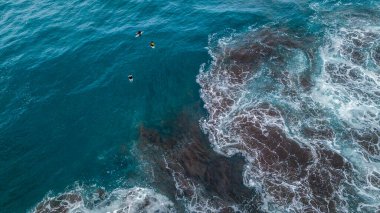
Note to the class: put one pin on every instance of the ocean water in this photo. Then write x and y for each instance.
(243, 106)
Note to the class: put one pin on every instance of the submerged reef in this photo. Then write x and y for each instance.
(185, 166)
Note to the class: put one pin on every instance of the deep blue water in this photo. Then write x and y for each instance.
(68, 113)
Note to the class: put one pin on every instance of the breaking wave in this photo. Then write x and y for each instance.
(131, 200)
(303, 111)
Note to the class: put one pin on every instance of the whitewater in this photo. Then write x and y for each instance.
(242, 106)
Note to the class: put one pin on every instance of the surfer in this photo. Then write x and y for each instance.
(130, 78)
(152, 44)
(139, 33)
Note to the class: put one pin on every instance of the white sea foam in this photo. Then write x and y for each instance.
(133, 200)
(350, 80)
(193, 195)
(338, 112)
(349, 88)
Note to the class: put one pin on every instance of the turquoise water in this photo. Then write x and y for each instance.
(69, 115)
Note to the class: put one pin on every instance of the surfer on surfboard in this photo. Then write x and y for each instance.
(152, 44)
(130, 78)
(139, 33)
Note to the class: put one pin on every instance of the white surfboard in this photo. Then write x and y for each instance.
(138, 35)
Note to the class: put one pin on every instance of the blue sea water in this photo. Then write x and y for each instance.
(68, 114)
